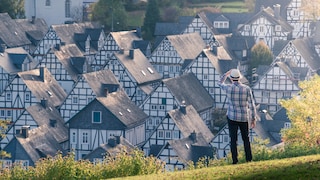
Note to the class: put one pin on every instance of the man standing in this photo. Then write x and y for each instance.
(241, 112)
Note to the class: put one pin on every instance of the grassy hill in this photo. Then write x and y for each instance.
(304, 167)
(136, 17)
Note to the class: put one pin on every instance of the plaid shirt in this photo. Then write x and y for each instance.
(241, 102)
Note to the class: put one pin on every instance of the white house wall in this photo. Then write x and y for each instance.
(166, 60)
(78, 98)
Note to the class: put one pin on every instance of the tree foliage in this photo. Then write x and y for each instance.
(304, 112)
(125, 163)
(111, 14)
(15, 8)
(260, 55)
(152, 16)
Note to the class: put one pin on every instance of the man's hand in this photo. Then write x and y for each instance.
(253, 123)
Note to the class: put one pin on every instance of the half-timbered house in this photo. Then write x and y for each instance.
(135, 73)
(173, 92)
(178, 154)
(292, 12)
(59, 35)
(175, 52)
(12, 61)
(177, 124)
(279, 82)
(32, 145)
(27, 89)
(89, 86)
(103, 118)
(114, 146)
(116, 41)
(208, 67)
(67, 64)
(301, 52)
(267, 25)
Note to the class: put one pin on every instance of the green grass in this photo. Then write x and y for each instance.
(304, 167)
(135, 18)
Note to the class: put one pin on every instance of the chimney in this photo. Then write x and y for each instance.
(33, 18)
(41, 73)
(44, 102)
(112, 141)
(193, 136)
(131, 53)
(25, 131)
(53, 122)
(138, 31)
(3, 48)
(214, 50)
(277, 10)
(183, 107)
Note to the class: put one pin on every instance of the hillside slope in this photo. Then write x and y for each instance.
(304, 167)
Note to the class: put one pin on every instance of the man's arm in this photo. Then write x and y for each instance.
(224, 77)
(252, 108)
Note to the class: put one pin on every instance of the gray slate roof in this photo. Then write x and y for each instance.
(189, 122)
(125, 39)
(49, 118)
(112, 148)
(119, 104)
(11, 60)
(11, 33)
(188, 46)
(189, 89)
(101, 80)
(269, 14)
(43, 85)
(39, 144)
(138, 65)
(190, 149)
(66, 32)
(73, 60)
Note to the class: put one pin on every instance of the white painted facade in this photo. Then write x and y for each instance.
(56, 11)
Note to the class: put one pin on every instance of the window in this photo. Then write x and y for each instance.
(8, 113)
(75, 100)
(261, 29)
(89, 99)
(278, 28)
(246, 27)
(205, 76)
(287, 125)
(2, 114)
(85, 137)
(67, 6)
(73, 137)
(160, 134)
(225, 139)
(168, 134)
(175, 134)
(275, 78)
(48, 2)
(27, 96)
(22, 163)
(96, 117)
(8, 96)
(163, 101)
(6, 163)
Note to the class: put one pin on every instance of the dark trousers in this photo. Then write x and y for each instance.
(233, 133)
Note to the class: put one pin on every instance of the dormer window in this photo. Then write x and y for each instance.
(221, 24)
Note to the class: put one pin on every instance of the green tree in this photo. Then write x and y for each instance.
(15, 8)
(3, 128)
(260, 55)
(304, 112)
(111, 14)
(152, 16)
